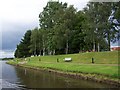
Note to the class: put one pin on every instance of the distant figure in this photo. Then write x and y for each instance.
(57, 60)
(92, 60)
(29, 59)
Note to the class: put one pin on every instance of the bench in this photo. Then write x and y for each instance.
(32, 55)
(68, 59)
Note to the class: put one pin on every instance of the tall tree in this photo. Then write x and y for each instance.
(109, 31)
(99, 27)
(69, 23)
(92, 23)
(47, 23)
(23, 48)
(40, 42)
(34, 42)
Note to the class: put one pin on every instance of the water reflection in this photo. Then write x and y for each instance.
(9, 78)
(43, 79)
(0, 75)
(18, 77)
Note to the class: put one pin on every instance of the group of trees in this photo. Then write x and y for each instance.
(102, 22)
(65, 30)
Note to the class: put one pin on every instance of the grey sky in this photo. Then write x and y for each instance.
(17, 16)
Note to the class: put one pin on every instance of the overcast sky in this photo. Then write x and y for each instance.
(17, 16)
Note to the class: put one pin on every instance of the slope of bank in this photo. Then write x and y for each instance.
(105, 68)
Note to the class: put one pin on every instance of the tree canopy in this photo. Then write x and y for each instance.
(65, 30)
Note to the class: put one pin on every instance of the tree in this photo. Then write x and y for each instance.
(92, 28)
(69, 22)
(65, 30)
(48, 21)
(99, 28)
(77, 38)
(114, 20)
(23, 49)
(40, 41)
(110, 32)
(34, 41)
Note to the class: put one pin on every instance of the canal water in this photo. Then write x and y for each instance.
(21, 78)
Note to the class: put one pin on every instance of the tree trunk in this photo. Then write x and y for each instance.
(98, 47)
(43, 48)
(35, 50)
(108, 38)
(43, 51)
(67, 47)
(54, 52)
(109, 44)
(40, 53)
(93, 46)
(50, 52)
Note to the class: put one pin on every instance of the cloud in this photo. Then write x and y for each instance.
(21, 10)
(28, 10)
(12, 34)
(18, 16)
(79, 4)
(7, 54)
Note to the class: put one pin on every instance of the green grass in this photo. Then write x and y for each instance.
(84, 58)
(106, 63)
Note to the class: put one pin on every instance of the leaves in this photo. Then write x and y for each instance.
(63, 29)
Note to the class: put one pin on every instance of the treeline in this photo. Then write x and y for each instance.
(6, 58)
(65, 30)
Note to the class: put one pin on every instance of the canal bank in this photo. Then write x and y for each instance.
(81, 76)
(21, 78)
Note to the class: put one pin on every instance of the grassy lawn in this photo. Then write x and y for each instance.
(85, 58)
(106, 63)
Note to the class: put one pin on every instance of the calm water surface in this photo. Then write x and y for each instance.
(18, 77)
